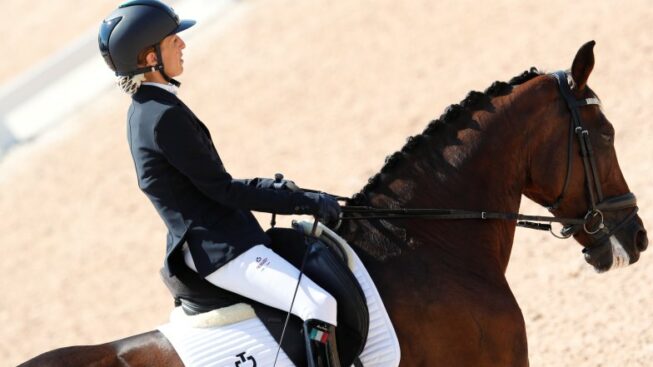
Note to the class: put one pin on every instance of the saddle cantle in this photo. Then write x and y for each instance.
(325, 264)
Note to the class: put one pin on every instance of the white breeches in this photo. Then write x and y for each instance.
(262, 275)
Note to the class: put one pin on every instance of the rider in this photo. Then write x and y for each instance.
(210, 227)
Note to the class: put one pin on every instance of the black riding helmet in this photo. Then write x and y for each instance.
(131, 28)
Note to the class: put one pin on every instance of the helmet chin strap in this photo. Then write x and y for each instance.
(168, 79)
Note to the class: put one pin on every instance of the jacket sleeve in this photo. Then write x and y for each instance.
(189, 150)
(261, 183)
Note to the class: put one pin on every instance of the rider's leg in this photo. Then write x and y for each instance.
(262, 275)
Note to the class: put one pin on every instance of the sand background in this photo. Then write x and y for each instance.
(321, 91)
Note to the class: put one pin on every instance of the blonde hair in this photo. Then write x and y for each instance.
(130, 84)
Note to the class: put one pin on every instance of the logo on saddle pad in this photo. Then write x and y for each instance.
(244, 359)
(262, 263)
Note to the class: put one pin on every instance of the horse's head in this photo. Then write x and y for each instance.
(573, 170)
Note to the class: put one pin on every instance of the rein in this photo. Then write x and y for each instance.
(536, 222)
(526, 221)
(593, 221)
(523, 220)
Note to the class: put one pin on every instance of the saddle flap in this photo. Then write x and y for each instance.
(353, 317)
(332, 274)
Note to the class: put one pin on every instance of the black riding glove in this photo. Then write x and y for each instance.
(281, 184)
(328, 209)
(286, 185)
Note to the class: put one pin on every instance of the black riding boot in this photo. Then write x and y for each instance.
(321, 348)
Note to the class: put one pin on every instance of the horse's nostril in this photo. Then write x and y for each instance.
(641, 240)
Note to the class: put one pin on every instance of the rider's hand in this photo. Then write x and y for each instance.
(328, 209)
(286, 185)
(281, 184)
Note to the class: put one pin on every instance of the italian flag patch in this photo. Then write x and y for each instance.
(319, 335)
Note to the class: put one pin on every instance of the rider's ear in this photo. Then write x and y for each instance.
(583, 65)
(151, 59)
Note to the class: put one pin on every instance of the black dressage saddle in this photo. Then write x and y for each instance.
(324, 264)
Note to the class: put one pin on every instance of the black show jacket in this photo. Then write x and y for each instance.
(179, 170)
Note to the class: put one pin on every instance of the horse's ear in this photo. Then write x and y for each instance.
(583, 65)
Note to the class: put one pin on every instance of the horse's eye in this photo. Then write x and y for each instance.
(607, 133)
(609, 137)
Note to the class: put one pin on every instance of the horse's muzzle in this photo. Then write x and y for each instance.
(641, 240)
(619, 248)
(599, 256)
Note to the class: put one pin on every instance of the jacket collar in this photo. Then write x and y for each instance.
(167, 87)
(148, 92)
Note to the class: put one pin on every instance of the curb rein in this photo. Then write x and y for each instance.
(593, 221)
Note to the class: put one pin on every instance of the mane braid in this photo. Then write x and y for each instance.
(474, 101)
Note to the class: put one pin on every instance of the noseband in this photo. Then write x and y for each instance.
(593, 221)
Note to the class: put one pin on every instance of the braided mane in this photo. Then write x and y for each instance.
(473, 101)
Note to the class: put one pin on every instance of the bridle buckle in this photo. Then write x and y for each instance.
(590, 216)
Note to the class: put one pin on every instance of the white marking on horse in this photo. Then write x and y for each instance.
(620, 258)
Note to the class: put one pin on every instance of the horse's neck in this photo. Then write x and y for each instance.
(476, 163)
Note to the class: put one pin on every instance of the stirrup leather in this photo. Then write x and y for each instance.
(321, 346)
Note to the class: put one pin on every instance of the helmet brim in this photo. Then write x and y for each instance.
(183, 25)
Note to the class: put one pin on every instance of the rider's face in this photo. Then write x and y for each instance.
(171, 52)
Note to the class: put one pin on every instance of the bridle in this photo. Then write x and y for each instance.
(593, 221)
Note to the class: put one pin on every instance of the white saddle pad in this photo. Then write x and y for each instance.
(236, 338)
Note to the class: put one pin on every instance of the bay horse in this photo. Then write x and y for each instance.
(443, 282)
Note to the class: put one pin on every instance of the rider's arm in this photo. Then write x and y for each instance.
(189, 150)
